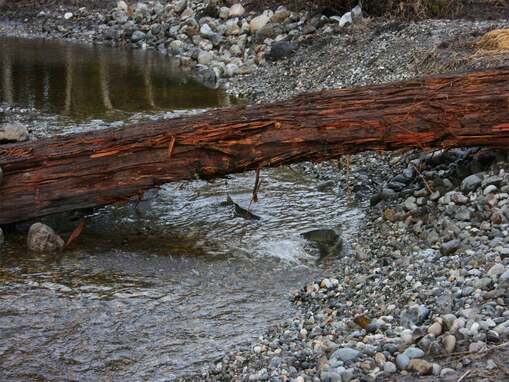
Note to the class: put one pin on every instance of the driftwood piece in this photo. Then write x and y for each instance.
(101, 167)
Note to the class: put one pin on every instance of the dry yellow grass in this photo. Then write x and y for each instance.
(496, 41)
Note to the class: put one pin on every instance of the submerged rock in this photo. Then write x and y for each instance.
(42, 238)
(327, 241)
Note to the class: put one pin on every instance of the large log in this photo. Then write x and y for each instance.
(101, 167)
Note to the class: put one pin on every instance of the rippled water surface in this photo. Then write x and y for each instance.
(157, 290)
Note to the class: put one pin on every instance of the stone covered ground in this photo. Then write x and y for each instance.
(422, 293)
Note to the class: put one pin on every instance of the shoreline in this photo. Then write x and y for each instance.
(422, 295)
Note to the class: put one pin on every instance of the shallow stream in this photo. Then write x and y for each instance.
(159, 289)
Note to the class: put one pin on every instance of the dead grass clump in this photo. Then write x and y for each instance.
(496, 41)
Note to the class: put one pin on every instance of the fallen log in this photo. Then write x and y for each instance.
(101, 167)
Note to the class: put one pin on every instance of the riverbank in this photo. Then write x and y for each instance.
(422, 292)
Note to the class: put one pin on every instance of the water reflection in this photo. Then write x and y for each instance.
(81, 81)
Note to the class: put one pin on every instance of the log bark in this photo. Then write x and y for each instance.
(102, 167)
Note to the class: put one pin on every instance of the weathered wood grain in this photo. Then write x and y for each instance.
(101, 167)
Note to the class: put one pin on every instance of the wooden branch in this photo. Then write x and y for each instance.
(102, 167)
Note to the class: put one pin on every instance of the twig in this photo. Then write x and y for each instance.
(426, 184)
(76, 232)
(256, 186)
(482, 352)
(464, 375)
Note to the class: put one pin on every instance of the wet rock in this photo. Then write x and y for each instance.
(1, 175)
(346, 354)
(42, 238)
(327, 241)
(471, 183)
(13, 132)
(420, 366)
(138, 36)
(2, 238)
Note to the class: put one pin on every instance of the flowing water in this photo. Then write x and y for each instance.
(159, 289)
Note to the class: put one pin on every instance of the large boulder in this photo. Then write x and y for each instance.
(42, 238)
(13, 132)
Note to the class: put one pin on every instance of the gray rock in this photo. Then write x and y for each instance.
(413, 352)
(414, 315)
(450, 247)
(179, 6)
(236, 10)
(402, 361)
(2, 238)
(357, 13)
(138, 36)
(258, 23)
(205, 57)
(42, 238)
(389, 368)
(471, 183)
(504, 278)
(346, 354)
(330, 376)
(13, 132)
(270, 30)
(484, 283)
(345, 19)
(496, 270)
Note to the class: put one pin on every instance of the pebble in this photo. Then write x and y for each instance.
(389, 368)
(421, 366)
(413, 352)
(449, 342)
(346, 354)
(402, 361)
